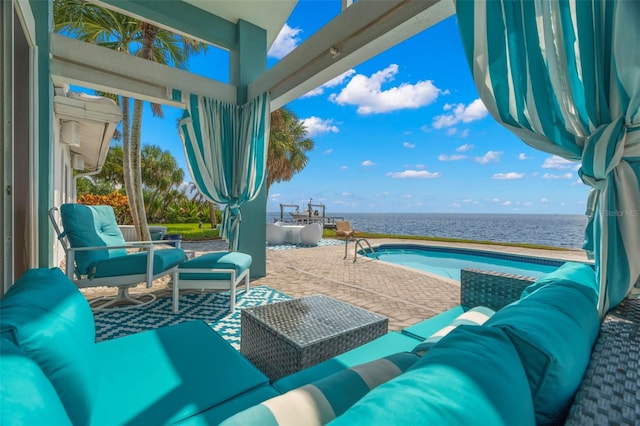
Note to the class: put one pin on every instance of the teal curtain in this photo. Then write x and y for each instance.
(564, 76)
(226, 151)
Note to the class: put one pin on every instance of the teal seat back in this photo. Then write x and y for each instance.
(91, 226)
(47, 318)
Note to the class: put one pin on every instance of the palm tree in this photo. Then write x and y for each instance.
(93, 24)
(288, 146)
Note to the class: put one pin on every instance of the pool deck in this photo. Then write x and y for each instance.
(404, 295)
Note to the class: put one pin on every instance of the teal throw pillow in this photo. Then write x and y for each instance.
(473, 376)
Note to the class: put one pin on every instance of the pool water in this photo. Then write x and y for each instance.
(448, 262)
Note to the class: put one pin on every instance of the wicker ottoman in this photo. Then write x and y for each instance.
(285, 337)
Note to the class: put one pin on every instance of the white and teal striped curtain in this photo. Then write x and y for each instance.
(564, 76)
(226, 150)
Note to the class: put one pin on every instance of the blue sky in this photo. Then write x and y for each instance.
(402, 132)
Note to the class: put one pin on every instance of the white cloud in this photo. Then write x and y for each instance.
(367, 163)
(337, 81)
(489, 157)
(523, 156)
(464, 148)
(419, 166)
(506, 203)
(460, 114)
(495, 200)
(562, 176)
(344, 168)
(346, 194)
(455, 157)
(316, 126)
(559, 163)
(285, 42)
(452, 131)
(578, 182)
(508, 176)
(328, 151)
(544, 200)
(414, 174)
(408, 145)
(368, 95)
(274, 196)
(464, 133)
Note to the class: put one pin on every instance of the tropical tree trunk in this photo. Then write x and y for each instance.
(127, 171)
(136, 169)
(212, 215)
(146, 52)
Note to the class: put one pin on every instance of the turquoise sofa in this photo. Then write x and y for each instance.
(521, 367)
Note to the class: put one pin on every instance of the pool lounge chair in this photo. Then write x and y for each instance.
(344, 231)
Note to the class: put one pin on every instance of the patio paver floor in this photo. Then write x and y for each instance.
(404, 295)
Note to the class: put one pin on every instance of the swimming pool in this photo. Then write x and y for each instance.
(448, 262)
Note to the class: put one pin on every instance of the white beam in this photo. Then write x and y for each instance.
(95, 67)
(360, 32)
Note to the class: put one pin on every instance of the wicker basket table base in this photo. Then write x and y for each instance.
(285, 337)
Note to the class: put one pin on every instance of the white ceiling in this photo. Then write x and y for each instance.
(268, 14)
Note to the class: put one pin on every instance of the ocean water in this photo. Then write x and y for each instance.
(549, 230)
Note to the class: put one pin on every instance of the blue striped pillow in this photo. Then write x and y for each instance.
(474, 316)
(322, 401)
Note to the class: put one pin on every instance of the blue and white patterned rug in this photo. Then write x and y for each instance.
(323, 242)
(213, 308)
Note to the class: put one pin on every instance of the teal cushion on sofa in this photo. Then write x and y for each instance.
(473, 376)
(167, 375)
(49, 320)
(573, 274)
(26, 395)
(383, 346)
(91, 226)
(217, 260)
(322, 401)
(553, 330)
(136, 263)
(474, 316)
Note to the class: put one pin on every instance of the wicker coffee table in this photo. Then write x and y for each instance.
(285, 337)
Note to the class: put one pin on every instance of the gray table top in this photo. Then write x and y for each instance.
(309, 320)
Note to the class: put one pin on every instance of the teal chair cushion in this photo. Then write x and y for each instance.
(383, 346)
(136, 263)
(324, 400)
(217, 260)
(50, 321)
(473, 376)
(91, 226)
(553, 330)
(166, 375)
(27, 397)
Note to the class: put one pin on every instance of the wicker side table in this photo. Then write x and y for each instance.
(285, 337)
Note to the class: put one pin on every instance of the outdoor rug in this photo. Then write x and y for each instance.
(323, 242)
(213, 308)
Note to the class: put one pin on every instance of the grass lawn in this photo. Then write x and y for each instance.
(191, 232)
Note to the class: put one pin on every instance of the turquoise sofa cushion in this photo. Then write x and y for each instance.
(427, 327)
(386, 345)
(240, 262)
(573, 274)
(553, 329)
(324, 400)
(473, 376)
(136, 263)
(217, 414)
(474, 316)
(167, 375)
(26, 395)
(50, 321)
(91, 226)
